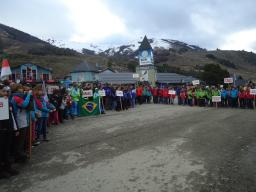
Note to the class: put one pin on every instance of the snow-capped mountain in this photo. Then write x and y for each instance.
(131, 48)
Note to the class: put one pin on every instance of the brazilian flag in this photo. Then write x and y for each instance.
(89, 107)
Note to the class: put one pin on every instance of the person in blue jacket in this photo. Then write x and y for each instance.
(108, 97)
(126, 98)
(132, 91)
(234, 97)
(224, 97)
(42, 121)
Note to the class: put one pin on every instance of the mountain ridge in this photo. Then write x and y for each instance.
(169, 55)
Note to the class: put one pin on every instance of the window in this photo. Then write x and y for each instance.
(33, 74)
(45, 77)
(24, 74)
(29, 74)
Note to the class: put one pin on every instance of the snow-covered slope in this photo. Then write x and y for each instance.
(131, 48)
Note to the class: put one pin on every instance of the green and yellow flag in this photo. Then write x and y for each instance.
(89, 107)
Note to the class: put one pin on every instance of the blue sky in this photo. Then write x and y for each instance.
(211, 24)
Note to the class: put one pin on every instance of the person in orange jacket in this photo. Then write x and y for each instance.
(139, 92)
(155, 95)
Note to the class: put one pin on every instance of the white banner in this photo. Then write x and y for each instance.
(228, 80)
(253, 91)
(4, 109)
(102, 93)
(172, 92)
(196, 82)
(87, 93)
(216, 99)
(119, 93)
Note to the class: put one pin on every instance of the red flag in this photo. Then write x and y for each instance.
(6, 70)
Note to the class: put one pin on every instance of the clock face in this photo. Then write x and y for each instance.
(144, 54)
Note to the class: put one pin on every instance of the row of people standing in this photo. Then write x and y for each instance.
(202, 95)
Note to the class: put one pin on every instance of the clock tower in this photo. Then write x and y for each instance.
(146, 68)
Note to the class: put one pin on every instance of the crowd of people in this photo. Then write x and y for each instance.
(32, 111)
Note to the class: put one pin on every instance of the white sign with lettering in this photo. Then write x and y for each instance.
(196, 82)
(4, 109)
(228, 80)
(216, 99)
(172, 92)
(102, 93)
(119, 93)
(87, 93)
(253, 91)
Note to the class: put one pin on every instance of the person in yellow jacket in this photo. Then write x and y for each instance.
(75, 94)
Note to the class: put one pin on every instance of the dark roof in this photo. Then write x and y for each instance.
(86, 67)
(30, 64)
(145, 45)
(173, 78)
(106, 70)
(117, 78)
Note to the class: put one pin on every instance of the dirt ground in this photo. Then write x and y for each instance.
(155, 148)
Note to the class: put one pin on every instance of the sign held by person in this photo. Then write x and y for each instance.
(102, 93)
(228, 80)
(196, 82)
(216, 99)
(87, 93)
(172, 92)
(4, 109)
(253, 91)
(119, 93)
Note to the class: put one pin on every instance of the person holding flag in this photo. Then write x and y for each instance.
(75, 95)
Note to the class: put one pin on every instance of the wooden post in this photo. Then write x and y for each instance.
(30, 136)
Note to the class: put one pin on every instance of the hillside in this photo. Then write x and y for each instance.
(24, 48)
(169, 55)
(176, 56)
